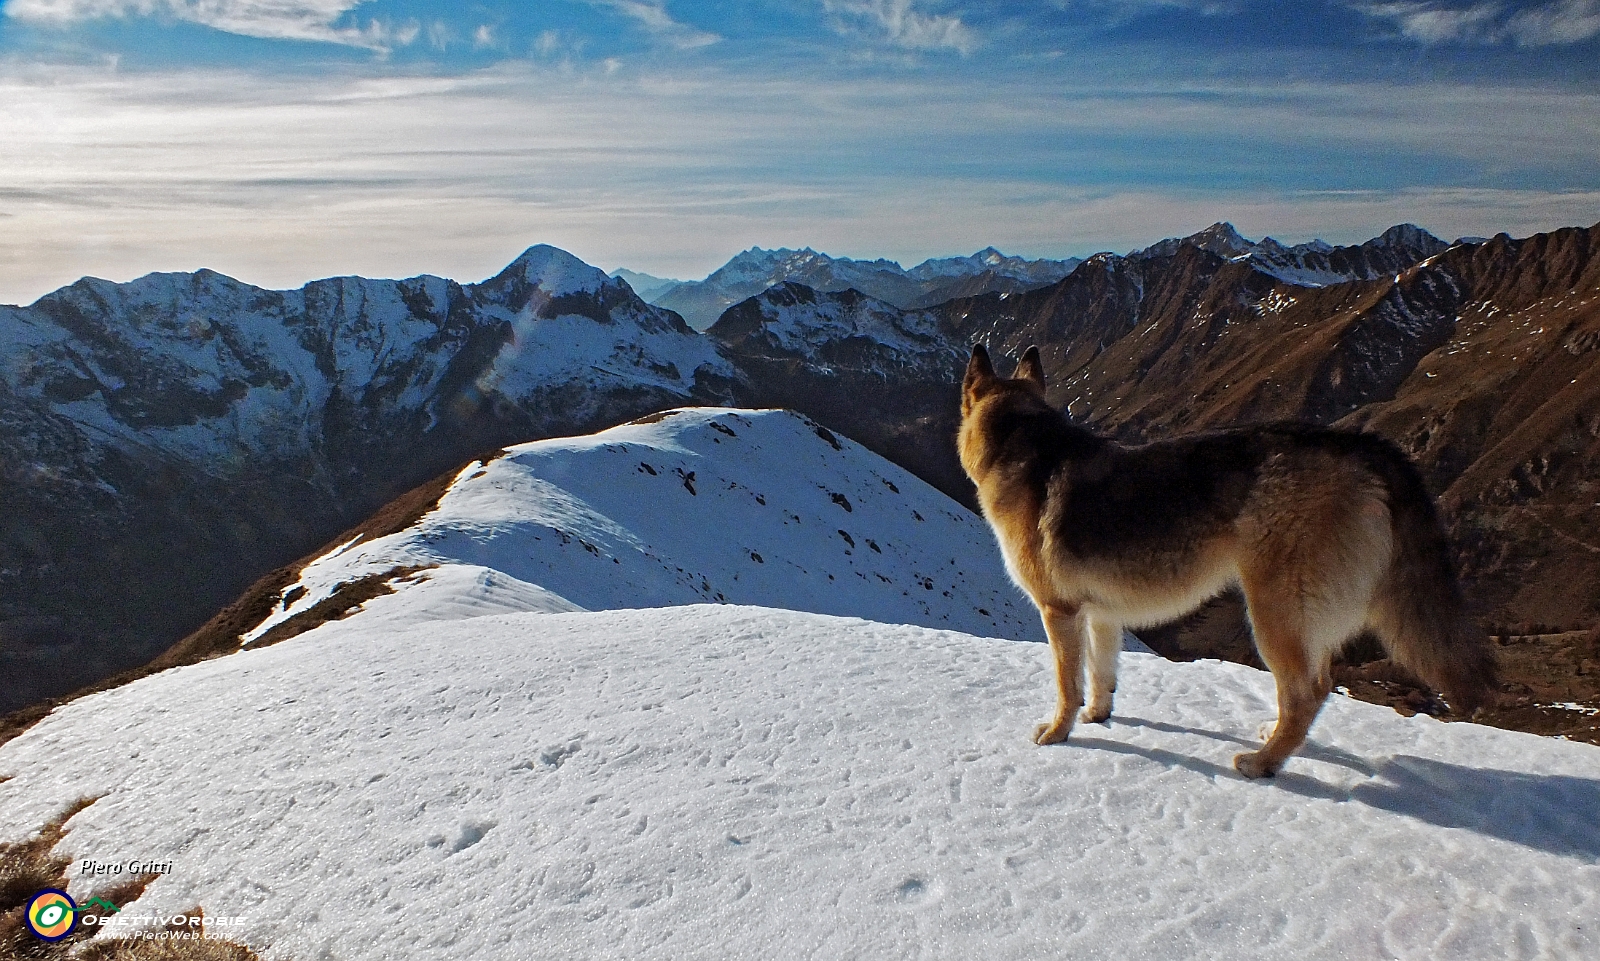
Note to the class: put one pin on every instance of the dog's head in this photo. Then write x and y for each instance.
(981, 381)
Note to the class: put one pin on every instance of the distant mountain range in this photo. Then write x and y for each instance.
(1313, 264)
(941, 279)
(645, 285)
(167, 441)
(930, 282)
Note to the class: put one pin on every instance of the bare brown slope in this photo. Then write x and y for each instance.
(1482, 362)
(1506, 419)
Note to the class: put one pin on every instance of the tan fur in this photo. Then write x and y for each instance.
(1301, 519)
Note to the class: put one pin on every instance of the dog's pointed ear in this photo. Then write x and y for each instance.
(978, 368)
(1031, 368)
(980, 374)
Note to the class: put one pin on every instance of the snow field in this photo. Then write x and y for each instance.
(735, 782)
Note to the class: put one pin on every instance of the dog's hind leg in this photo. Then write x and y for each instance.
(1065, 628)
(1302, 685)
(1105, 642)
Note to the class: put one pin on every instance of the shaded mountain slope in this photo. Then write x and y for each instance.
(1480, 361)
(875, 372)
(189, 429)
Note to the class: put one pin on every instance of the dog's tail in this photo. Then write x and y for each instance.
(1418, 611)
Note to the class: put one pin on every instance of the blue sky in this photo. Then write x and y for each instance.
(283, 140)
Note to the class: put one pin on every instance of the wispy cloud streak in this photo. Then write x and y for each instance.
(901, 24)
(1553, 23)
(653, 16)
(313, 20)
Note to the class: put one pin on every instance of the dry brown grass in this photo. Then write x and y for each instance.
(26, 867)
(343, 602)
(220, 635)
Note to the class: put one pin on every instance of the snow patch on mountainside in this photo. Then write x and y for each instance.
(844, 330)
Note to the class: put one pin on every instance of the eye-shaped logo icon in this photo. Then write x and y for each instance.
(51, 914)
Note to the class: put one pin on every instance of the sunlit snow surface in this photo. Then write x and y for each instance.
(735, 782)
(473, 767)
(701, 504)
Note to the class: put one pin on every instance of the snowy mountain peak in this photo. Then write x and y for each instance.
(1222, 239)
(1409, 237)
(1312, 264)
(990, 260)
(932, 282)
(555, 272)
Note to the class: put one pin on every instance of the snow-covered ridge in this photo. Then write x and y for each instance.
(211, 371)
(1313, 264)
(841, 330)
(1042, 271)
(755, 270)
(697, 505)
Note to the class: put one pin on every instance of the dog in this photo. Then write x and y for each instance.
(1327, 532)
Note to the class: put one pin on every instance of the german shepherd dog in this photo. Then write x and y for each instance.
(1327, 532)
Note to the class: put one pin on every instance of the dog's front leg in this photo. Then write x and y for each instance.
(1104, 641)
(1064, 627)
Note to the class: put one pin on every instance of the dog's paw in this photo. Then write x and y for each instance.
(1097, 714)
(1052, 733)
(1254, 765)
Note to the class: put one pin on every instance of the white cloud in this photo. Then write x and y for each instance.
(278, 180)
(1567, 21)
(1122, 9)
(902, 25)
(313, 20)
(1555, 22)
(653, 16)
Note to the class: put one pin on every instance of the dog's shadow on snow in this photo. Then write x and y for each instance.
(1548, 812)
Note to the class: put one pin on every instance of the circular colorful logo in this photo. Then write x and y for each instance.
(51, 914)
